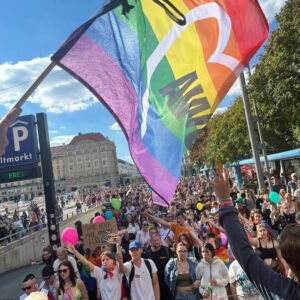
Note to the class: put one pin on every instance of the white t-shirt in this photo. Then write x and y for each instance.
(297, 195)
(244, 288)
(110, 288)
(141, 285)
(141, 238)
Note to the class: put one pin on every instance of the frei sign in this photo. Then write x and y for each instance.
(22, 148)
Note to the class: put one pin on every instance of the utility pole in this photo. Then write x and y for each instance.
(253, 142)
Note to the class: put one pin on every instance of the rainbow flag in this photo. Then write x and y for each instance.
(162, 68)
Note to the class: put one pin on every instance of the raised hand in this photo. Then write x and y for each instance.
(221, 184)
(70, 248)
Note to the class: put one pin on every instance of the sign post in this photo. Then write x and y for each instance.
(48, 180)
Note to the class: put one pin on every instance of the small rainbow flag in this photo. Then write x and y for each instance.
(162, 67)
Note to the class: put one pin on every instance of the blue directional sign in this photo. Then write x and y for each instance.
(22, 148)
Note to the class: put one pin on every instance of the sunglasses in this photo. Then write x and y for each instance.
(145, 224)
(63, 271)
(182, 251)
(27, 288)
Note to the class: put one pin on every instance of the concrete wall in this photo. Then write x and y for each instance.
(22, 252)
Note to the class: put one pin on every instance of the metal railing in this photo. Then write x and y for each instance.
(24, 232)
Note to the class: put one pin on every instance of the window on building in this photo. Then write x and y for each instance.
(70, 153)
(86, 151)
(103, 148)
(103, 155)
(95, 150)
(78, 152)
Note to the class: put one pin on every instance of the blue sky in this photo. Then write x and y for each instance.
(30, 32)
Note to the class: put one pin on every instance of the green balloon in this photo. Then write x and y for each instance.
(116, 203)
(274, 197)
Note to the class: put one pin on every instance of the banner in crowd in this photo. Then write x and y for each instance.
(97, 234)
(162, 68)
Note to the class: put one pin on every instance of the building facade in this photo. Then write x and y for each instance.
(89, 162)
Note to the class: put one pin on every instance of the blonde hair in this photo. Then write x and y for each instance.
(37, 296)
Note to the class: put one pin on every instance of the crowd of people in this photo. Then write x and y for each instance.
(183, 251)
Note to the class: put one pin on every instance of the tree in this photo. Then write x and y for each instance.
(275, 84)
(228, 137)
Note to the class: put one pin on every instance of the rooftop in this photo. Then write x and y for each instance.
(94, 137)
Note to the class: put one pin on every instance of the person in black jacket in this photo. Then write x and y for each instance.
(270, 284)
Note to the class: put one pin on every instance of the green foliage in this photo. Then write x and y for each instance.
(275, 84)
(228, 135)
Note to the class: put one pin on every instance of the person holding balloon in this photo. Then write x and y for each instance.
(109, 279)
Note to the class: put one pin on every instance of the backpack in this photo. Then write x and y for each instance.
(127, 282)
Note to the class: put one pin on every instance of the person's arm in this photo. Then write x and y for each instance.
(270, 284)
(83, 290)
(196, 241)
(213, 224)
(125, 233)
(119, 255)
(70, 248)
(156, 286)
(158, 220)
(223, 274)
(253, 242)
(233, 291)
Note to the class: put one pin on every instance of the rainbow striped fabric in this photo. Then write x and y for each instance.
(162, 67)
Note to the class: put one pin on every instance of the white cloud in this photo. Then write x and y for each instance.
(220, 110)
(60, 140)
(58, 93)
(115, 127)
(271, 8)
(51, 132)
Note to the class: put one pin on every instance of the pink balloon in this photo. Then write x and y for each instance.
(69, 235)
(99, 219)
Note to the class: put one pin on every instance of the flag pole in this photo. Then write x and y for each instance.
(253, 142)
(31, 89)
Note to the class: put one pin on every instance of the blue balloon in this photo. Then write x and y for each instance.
(108, 215)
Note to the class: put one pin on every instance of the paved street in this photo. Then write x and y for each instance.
(10, 282)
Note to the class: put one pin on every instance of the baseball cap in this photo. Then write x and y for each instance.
(135, 244)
